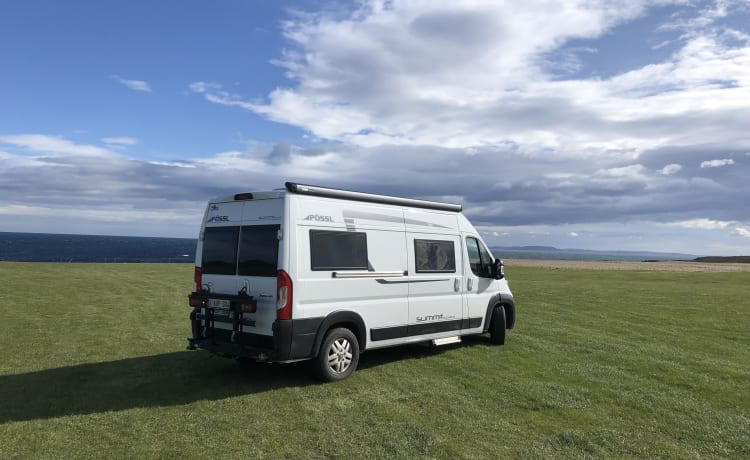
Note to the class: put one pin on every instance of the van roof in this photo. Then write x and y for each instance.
(315, 190)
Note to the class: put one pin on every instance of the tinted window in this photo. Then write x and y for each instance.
(479, 258)
(338, 250)
(220, 250)
(486, 261)
(431, 256)
(259, 250)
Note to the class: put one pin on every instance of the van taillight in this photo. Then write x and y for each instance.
(198, 277)
(283, 296)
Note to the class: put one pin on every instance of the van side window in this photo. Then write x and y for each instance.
(220, 250)
(434, 256)
(480, 260)
(259, 250)
(331, 250)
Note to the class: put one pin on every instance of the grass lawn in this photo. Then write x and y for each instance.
(600, 364)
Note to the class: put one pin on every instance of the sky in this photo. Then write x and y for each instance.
(609, 125)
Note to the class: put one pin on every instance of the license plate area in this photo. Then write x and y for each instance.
(223, 304)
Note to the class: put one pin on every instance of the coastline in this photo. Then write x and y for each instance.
(667, 265)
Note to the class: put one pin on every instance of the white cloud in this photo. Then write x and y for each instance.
(202, 86)
(573, 234)
(475, 74)
(135, 85)
(741, 231)
(120, 141)
(670, 169)
(702, 224)
(54, 145)
(717, 163)
(232, 160)
(10, 160)
(176, 164)
(631, 171)
(213, 92)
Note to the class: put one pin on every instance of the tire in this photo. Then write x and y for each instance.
(497, 326)
(338, 356)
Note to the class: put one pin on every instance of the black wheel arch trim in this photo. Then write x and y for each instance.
(339, 317)
(510, 310)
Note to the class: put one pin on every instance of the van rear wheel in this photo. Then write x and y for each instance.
(497, 326)
(339, 355)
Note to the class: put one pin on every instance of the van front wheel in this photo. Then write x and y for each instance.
(338, 356)
(497, 326)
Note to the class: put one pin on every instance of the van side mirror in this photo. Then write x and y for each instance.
(498, 269)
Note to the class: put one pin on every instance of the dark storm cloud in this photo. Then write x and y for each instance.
(497, 187)
(280, 153)
(504, 186)
(510, 188)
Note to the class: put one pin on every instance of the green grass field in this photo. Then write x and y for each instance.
(601, 364)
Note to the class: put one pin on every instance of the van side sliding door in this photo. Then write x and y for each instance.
(435, 283)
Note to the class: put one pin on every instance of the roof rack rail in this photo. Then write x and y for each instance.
(315, 190)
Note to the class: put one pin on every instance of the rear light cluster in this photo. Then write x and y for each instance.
(195, 302)
(283, 296)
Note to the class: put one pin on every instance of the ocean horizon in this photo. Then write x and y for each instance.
(53, 247)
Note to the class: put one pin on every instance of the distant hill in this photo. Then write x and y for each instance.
(724, 260)
(553, 253)
(531, 248)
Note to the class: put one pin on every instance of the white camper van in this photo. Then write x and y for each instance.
(309, 272)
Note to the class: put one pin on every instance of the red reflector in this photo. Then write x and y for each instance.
(198, 277)
(196, 303)
(248, 308)
(243, 196)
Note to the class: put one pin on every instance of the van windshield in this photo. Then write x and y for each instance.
(248, 251)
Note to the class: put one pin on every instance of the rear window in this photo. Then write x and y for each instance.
(220, 250)
(257, 256)
(259, 250)
(338, 250)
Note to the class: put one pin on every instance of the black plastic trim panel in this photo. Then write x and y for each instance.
(291, 339)
(510, 310)
(386, 333)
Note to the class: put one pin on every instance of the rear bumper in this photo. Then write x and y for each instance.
(291, 340)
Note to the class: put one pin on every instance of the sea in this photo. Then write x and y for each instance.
(47, 247)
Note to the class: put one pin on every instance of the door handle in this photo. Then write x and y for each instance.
(456, 284)
(470, 284)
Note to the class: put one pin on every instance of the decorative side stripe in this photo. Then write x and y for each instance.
(368, 274)
(417, 280)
